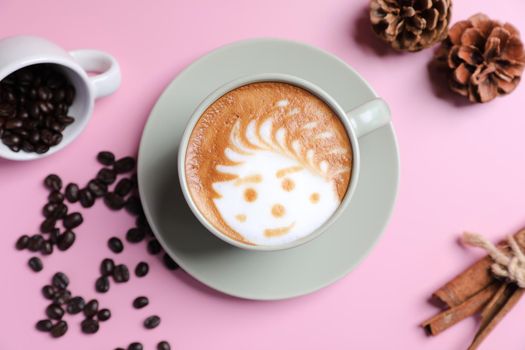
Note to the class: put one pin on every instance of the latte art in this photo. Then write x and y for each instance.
(268, 163)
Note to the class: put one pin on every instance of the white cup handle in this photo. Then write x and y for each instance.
(108, 78)
(369, 116)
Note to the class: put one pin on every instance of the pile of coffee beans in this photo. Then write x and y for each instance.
(118, 191)
(34, 106)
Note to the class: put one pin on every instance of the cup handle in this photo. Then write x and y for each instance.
(369, 116)
(108, 78)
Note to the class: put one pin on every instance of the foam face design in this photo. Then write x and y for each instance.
(268, 163)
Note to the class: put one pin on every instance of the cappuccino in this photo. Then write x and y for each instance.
(268, 163)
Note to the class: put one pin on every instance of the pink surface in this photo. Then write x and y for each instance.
(462, 168)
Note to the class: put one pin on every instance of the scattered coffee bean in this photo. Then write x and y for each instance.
(135, 346)
(53, 236)
(22, 242)
(124, 187)
(62, 296)
(47, 248)
(106, 267)
(121, 273)
(47, 225)
(75, 305)
(54, 311)
(53, 182)
(140, 302)
(142, 223)
(115, 245)
(169, 262)
(48, 292)
(35, 264)
(86, 198)
(66, 240)
(124, 165)
(73, 220)
(60, 211)
(72, 192)
(114, 201)
(163, 345)
(59, 329)
(48, 209)
(55, 197)
(154, 247)
(89, 326)
(91, 308)
(97, 188)
(134, 206)
(60, 280)
(141, 269)
(102, 284)
(135, 235)
(152, 322)
(106, 176)
(106, 158)
(44, 325)
(35, 243)
(104, 315)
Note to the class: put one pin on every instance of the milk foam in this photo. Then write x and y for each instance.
(291, 199)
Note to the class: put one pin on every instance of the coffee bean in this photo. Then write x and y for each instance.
(53, 236)
(11, 140)
(97, 188)
(141, 269)
(53, 182)
(121, 273)
(75, 305)
(44, 325)
(35, 243)
(60, 211)
(59, 329)
(35, 264)
(140, 302)
(135, 346)
(22, 242)
(66, 120)
(114, 201)
(13, 124)
(48, 292)
(124, 165)
(89, 326)
(154, 247)
(47, 225)
(142, 223)
(86, 197)
(41, 148)
(47, 248)
(44, 93)
(102, 284)
(106, 267)
(104, 315)
(134, 206)
(106, 176)
(106, 158)
(72, 192)
(60, 280)
(91, 308)
(66, 240)
(48, 209)
(54, 311)
(73, 220)
(115, 245)
(123, 187)
(163, 345)
(169, 262)
(152, 322)
(62, 296)
(55, 197)
(135, 235)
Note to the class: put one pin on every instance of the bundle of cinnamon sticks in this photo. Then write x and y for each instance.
(474, 291)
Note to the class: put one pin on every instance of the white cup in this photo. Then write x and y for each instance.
(21, 51)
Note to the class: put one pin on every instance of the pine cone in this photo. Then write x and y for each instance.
(483, 58)
(410, 25)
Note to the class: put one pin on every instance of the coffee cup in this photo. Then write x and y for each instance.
(18, 52)
(357, 123)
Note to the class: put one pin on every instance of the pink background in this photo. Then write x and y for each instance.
(462, 168)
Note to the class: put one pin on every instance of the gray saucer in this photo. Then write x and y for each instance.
(263, 275)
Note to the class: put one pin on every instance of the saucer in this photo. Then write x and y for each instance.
(264, 275)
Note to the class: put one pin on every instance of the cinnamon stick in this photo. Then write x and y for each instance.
(469, 307)
(474, 279)
(502, 302)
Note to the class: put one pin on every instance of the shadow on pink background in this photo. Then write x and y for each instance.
(462, 168)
